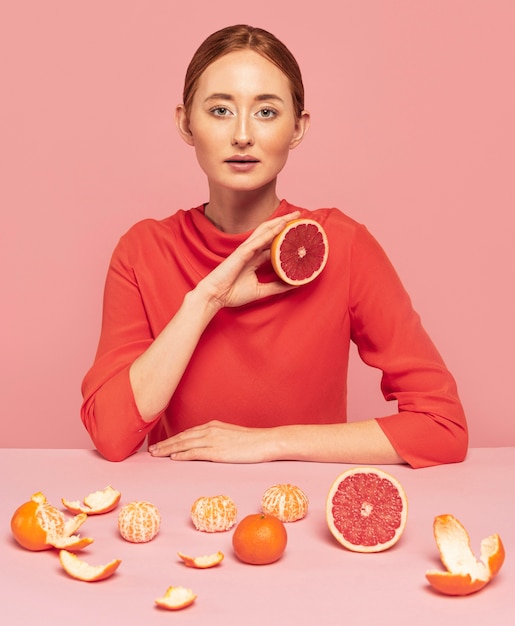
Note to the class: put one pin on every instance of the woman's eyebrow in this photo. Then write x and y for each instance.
(269, 96)
(259, 98)
(219, 96)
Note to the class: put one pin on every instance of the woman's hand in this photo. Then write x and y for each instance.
(216, 441)
(234, 282)
(357, 442)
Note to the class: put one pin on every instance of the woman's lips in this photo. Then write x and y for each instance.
(242, 163)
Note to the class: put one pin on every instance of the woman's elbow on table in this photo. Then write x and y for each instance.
(111, 446)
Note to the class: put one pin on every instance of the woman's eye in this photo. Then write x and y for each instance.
(267, 113)
(220, 111)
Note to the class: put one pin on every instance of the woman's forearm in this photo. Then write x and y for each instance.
(155, 374)
(355, 442)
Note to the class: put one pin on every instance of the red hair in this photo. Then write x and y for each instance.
(243, 37)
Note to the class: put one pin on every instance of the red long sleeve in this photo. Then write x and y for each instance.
(282, 360)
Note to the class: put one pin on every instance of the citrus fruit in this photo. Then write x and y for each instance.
(79, 569)
(73, 543)
(213, 513)
(465, 574)
(95, 503)
(139, 521)
(259, 539)
(366, 509)
(202, 562)
(287, 502)
(38, 525)
(299, 252)
(176, 598)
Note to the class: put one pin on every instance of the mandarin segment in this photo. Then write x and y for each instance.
(287, 502)
(465, 574)
(366, 509)
(139, 521)
(213, 513)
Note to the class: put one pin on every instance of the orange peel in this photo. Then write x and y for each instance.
(80, 570)
(38, 525)
(95, 503)
(465, 573)
(202, 562)
(176, 598)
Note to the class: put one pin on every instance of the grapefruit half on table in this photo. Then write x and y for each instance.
(366, 509)
(299, 252)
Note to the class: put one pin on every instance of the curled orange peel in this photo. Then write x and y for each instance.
(202, 562)
(95, 503)
(465, 573)
(69, 540)
(176, 598)
(80, 570)
(38, 525)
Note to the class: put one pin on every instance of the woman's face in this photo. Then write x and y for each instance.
(242, 121)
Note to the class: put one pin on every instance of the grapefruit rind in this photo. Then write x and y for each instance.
(202, 562)
(276, 249)
(95, 503)
(465, 574)
(176, 598)
(362, 512)
(80, 570)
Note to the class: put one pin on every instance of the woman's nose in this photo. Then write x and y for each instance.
(242, 133)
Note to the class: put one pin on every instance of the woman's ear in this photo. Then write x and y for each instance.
(301, 128)
(183, 124)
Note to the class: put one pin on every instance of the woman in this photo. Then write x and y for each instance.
(205, 351)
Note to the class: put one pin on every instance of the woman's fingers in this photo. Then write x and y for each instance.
(213, 441)
(266, 231)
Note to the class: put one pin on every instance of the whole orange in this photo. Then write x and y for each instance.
(259, 539)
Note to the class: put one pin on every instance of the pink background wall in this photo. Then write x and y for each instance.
(413, 134)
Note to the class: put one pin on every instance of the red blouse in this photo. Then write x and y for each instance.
(281, 360)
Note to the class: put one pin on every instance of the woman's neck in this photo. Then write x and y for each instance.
(240, 212)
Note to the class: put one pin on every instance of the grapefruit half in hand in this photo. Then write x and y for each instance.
(299, 252)
(366, 510)
(465, 574)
